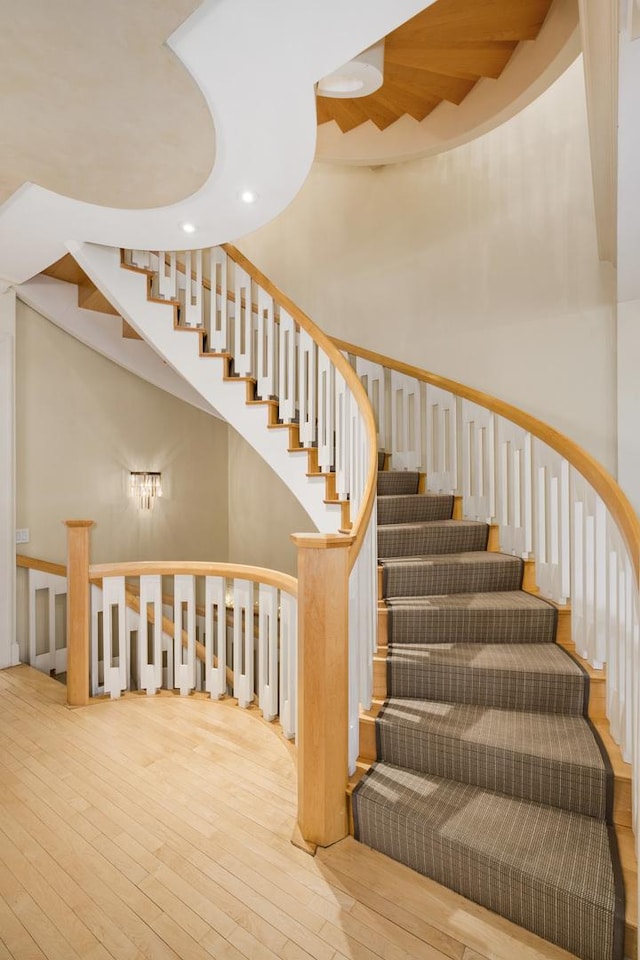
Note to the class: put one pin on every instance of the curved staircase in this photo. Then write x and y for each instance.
(489, 777)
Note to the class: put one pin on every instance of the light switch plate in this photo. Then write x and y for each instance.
(22, 536)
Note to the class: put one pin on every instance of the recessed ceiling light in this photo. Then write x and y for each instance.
(248, 196)
(188, 227)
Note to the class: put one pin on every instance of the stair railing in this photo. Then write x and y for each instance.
(46, 626)
(293, 367)
(550, 500)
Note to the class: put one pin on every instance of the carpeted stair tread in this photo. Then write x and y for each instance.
(468, 572)
(400, 540)
(511, 616)
(537, 677)
(397, 482)
(546, 758)
(546, 869)
(414, 508)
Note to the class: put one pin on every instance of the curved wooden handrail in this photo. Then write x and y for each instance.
(360, 523)
(164, 568)
(44, 566)
(593, 471)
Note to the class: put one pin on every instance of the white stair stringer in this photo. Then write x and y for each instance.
(127, 292)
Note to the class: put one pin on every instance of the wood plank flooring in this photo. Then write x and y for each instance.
(159, 828)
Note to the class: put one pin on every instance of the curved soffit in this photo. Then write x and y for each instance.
(256, 64)
(96, 107)
(533, 67)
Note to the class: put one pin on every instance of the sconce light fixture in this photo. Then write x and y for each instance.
(145, 486)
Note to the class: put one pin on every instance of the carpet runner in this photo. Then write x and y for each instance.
(489, 777)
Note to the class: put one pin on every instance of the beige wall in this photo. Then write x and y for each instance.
(262, 511)
(82, 424)
(479, 264)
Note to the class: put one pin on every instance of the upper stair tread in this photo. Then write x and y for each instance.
(509, 616)
(445, 559)
(560, 737)
(397, 481)
(532, 677)
(414, 508)
(530, 658)
(429, 538)
(492, 600)
(446, 573)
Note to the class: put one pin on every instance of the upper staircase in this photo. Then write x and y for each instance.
(488, 776)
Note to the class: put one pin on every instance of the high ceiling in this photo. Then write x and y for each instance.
(440, 54)
(120, 123)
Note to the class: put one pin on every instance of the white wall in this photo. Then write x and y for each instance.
(480, 264)
(262, 512)
(82, 424)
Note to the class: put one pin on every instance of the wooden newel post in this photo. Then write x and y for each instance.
(323, 686)
(78, 611)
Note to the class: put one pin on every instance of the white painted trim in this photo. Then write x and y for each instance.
(9, 653)
(599, 31)
(58, 302)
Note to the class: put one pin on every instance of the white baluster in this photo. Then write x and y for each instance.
(288, 664)
(514, 488)
(193, 315)
(215, 631)
(287, 369)
(551, 544)
(343, 450)
(372, 378)
(140, 259)
(243, 324)
(326, 413)
(150, 669)
(442, 441)
(96, 668)
(307, 388)
(405, 420)
(167, 276)
(243, 642)
(116, 667)
(184, 660)
(363, 590)
(266, 347)
(220, 305)
(478, 462)
(268, 651)
(54, 656)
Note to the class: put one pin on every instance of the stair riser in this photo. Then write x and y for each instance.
(420, 580)
(398, 484)
(430, 540)
(488, 688)
(507, 772)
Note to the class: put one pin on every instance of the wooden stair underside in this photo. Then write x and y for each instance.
(440, 54)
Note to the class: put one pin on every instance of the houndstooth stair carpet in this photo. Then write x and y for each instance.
(489, 777)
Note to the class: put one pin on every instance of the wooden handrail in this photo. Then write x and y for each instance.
(360, 523)
(593, 471)
(197, 569)
(44, 566)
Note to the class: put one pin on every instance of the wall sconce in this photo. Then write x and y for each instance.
(145, 486)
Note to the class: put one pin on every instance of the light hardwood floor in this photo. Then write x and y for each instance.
(160, 828)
